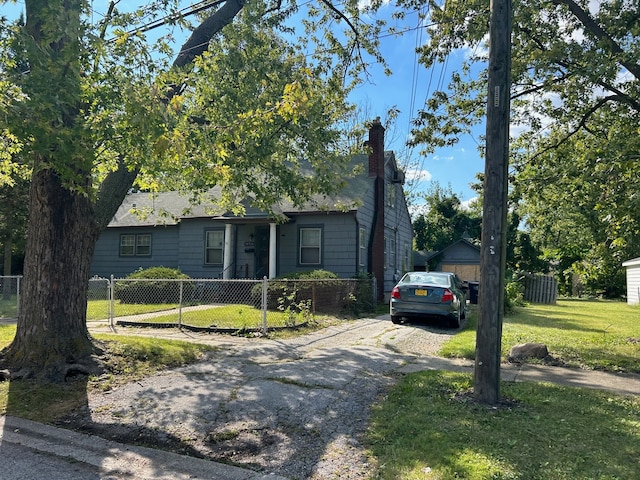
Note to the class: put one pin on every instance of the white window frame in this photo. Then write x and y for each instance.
(208, 248)
(310, 246)
(362, 246)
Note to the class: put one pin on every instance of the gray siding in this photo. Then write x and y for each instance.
(107, 260)
(397, 223)
(339, 244)
(364, 217)
(191, 251)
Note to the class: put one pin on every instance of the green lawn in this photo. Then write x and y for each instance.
(99, 309)
(235, 316)
(429, 427)
(592, 334)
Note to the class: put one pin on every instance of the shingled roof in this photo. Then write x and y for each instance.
(168, 208)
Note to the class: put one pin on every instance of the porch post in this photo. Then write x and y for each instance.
(272, 250)
(227, 257)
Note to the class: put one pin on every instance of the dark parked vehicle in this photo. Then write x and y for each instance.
(423, 294)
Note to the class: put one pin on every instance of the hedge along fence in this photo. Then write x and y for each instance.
(232, 305)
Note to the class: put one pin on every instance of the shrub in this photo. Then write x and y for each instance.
(362, 300)
(153, 285)
(324, 292)
(310, 275)
(513, 293)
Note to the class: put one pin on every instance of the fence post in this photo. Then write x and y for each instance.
(313, 297)
(111, 307)
(18, 296)
(180, 305)
(265, 284)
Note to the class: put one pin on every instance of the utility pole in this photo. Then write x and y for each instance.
(494, 212)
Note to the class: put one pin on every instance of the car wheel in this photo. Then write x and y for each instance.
(396, 319)
(454, 320)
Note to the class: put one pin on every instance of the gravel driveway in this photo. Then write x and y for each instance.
(297, 408)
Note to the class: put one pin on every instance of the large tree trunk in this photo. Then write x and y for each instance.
(52, 337)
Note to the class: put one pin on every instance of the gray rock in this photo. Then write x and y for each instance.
(523, 351)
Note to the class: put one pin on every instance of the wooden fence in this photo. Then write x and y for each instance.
(540, 289)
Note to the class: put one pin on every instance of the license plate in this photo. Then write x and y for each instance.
(421, 293)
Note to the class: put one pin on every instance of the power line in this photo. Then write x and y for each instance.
(172, 17)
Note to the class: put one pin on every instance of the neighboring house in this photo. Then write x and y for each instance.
(461, 257)
(633, 281)
(375, 237)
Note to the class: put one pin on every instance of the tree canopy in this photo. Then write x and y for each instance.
(575, 106)
(445, 220)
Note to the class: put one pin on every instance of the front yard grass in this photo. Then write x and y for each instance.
(99, 309)
(232, 316)
(590, 334)
(429, 428)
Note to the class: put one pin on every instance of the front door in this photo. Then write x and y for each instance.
(262, 252)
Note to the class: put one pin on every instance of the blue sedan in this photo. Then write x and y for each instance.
(429, 294)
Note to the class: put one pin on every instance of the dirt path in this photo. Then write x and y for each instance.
(296, 407)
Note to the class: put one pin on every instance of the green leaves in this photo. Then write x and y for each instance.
(575, 108)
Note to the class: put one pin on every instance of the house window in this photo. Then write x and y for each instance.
(214, 247)
(391, 195)
(362, 250)
(310, 246)
(135, 245)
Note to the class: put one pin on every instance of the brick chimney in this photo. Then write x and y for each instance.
(376, 145)
(376, 170)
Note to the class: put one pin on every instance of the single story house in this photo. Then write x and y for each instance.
(373, 236)
(633, 281)
(461, 257)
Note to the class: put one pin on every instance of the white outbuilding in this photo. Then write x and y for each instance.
(633, 281)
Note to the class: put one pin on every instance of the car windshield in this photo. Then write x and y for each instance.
(427, 278)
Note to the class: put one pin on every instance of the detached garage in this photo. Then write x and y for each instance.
(633, 281)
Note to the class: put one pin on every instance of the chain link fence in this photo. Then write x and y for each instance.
(216, 305)
(9, 296)
(213, 305)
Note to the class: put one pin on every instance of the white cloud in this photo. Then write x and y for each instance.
(418, 175)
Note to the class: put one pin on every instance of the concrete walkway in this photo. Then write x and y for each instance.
(623, 384)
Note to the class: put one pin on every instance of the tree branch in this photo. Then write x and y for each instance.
(116, 185)
(581, 125)
(594, 28)
(198, 42)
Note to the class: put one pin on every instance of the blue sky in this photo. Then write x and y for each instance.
(406, 89)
